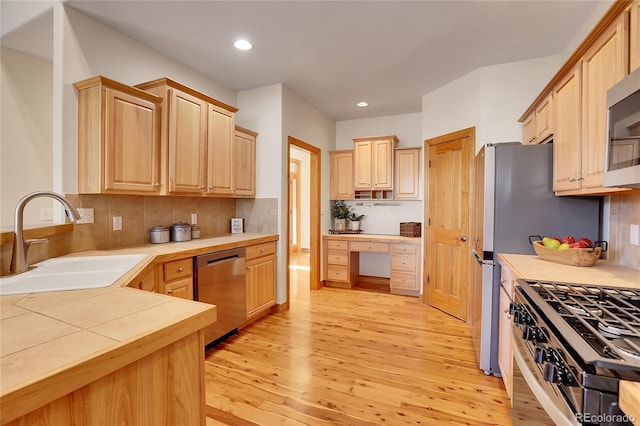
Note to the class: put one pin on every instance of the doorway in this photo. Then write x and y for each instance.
(301, 231)
(450, 160)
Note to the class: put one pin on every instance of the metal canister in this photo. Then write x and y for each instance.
(159, 235)
(195, 232)
(180, 232)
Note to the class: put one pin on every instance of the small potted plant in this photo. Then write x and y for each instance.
(341, 212)
(355, 220)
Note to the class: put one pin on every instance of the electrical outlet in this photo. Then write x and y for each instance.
(633, 234)
(46, 214)
(194, 218)
(117, 223)
(86, 215)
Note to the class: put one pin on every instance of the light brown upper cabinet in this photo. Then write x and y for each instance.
(373, 166)
(634, 36)
(118, 138)
(537, 126)
(197, 132)
(407, 177)
(341, 175)
(577, 95)
(220, 137)
(244, 163)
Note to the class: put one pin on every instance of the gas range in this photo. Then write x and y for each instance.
(582, 340)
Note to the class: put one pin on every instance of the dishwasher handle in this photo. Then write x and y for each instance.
(209, 258)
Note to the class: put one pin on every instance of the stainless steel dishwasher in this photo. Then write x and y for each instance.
(220, 280)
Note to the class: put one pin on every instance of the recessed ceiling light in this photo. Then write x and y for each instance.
(242, 45)
(362, 104)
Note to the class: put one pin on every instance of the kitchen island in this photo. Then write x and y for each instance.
(112, 355)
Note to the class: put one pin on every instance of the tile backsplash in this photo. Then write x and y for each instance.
(624, 212)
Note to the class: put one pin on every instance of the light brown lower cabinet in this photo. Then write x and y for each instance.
(163, 388)
(175, 278)
(505, 350)
(405, 269)
(260, 278)
(147, 283)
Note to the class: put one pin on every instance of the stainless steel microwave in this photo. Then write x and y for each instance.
(622, 164)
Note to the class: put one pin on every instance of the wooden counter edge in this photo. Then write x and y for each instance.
(39, 393)
(629, 399)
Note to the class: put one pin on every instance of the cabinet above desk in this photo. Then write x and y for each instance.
(342, 265)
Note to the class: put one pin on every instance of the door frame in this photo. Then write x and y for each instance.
(469, 133)
(295, 247)
(314, 213)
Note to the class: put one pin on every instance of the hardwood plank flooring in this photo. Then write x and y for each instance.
(345, 357)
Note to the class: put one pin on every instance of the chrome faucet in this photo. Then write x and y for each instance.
(20, 246)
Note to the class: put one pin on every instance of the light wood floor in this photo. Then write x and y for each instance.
(351, 358)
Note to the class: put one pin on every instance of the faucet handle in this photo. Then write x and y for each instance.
(28, 243)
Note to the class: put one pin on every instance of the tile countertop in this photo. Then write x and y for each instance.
(602, 273)
(54, 343)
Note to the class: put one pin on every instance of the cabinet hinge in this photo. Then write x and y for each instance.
(429, 222)
(428, 279)
(429, 163)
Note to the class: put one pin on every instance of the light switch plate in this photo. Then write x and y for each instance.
(117, 223)
(86, 215)
(633, 234)
(194, 218)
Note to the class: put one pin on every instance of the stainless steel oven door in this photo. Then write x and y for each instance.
(534, 400)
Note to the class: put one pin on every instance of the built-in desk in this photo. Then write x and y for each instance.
(342, 261)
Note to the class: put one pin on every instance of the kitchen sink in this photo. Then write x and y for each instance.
(70, 273)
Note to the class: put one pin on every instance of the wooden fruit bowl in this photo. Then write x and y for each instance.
(572, 256)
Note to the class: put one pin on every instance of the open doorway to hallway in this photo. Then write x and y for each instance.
(303, 220)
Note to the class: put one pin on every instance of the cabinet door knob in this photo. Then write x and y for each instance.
(169, 291)
(180, 269)
(157, 184)
(201, 186)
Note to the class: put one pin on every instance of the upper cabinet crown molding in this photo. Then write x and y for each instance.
(186, 89)
(119, 146)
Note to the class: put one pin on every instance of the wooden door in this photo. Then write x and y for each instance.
(220, 134)
(450, 161)
(603, 66)
(341, 175)
(634, 39)
(132, 143)
(295, 172)
(362, 152)
(187, 143)
(244, 163)
(567, 165)
(382, 164)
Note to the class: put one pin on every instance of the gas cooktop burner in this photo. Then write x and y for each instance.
(614, 331)
(577, 310)
(630, 346)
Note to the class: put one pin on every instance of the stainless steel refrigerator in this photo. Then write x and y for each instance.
(515, 199)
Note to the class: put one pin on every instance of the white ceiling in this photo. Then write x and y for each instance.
(336, 53)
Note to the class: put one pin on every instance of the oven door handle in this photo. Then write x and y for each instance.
(480, 261)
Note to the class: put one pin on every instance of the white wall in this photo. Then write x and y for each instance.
(491, 98)
(26, 134)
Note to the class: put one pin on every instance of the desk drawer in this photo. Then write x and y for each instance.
(338, 257)
(260, 250)
(403, 248)
(337, 273)
(404, 282)
(403, 263)
(337, 245)
(365, 247)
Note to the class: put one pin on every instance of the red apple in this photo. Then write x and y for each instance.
(568, 240)
(579, 244)
(587, 242)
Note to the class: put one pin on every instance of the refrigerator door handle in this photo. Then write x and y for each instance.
(480, 261)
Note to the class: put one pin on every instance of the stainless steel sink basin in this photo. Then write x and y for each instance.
(70, 273)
